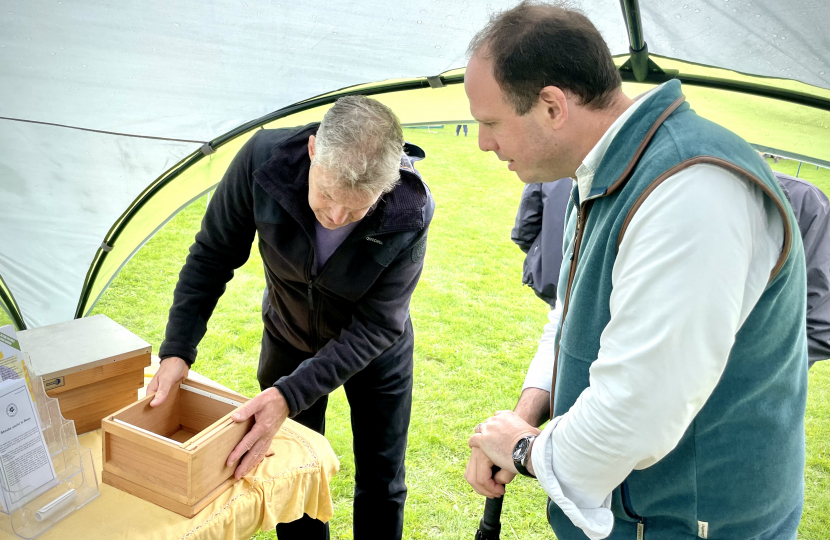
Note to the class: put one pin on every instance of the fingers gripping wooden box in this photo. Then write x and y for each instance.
(174, 455)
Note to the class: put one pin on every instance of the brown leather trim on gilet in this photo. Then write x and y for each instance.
(643, 145)
(580, 228)
(584, 217)
(788, 240)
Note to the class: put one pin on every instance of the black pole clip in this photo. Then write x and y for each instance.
(643, 68)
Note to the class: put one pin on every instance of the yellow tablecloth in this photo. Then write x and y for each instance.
(294, 481)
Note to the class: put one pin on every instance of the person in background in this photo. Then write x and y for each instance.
(458, 129)
(812, 210)
(538, 231)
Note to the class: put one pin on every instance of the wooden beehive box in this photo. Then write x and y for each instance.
(174, 455)
(93, 366)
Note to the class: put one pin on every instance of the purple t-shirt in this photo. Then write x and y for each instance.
(328, 240)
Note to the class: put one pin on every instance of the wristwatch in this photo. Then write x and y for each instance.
(521, 455)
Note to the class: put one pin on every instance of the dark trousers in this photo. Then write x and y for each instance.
(380, 398)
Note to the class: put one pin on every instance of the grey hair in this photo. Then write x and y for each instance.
(360, 143)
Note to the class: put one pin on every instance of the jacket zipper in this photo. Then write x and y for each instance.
(312, 319)
(312, 280)
(581, 218)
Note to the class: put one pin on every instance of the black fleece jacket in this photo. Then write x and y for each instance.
(345, 316)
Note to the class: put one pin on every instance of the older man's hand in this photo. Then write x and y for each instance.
(170, 372)
(493, 444)
(269, 410)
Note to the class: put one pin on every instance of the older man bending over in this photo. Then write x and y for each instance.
(341, 218)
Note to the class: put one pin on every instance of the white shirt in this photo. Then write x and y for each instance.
(694, 261)
(540, 372)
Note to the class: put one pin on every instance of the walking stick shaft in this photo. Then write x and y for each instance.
(489, 527)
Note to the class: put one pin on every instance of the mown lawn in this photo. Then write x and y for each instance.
(476, 329)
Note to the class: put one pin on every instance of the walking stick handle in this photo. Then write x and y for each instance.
(490, 526)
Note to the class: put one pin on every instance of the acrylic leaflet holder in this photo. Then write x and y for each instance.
(31, 512)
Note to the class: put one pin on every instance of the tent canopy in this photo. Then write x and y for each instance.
(105, 107)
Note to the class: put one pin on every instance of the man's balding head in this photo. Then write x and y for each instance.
(536, 44)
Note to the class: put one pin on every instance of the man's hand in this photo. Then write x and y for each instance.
(534, 408)
(495, 439)
(269, 410)
(479, 474)
(170, 372)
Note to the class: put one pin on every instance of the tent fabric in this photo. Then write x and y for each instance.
(158, 79)
(57, 203)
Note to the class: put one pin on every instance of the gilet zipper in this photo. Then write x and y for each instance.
(627, 507)
(581, 218)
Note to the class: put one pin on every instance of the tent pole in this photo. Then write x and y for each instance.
(10, 306)
(634, 24)
(657, 76)
(636, 43)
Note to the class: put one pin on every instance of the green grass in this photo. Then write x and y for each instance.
(816, 175)
(476, 329)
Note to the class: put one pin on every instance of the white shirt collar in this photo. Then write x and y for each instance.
(585, 172)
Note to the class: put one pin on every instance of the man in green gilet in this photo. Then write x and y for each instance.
(678, 379)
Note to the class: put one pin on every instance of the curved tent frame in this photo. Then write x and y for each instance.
(97, 280)
(10, 306)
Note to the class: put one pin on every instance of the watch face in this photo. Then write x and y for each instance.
(521, 449)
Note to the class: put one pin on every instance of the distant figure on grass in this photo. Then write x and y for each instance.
(341, 218)
(458, 128)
